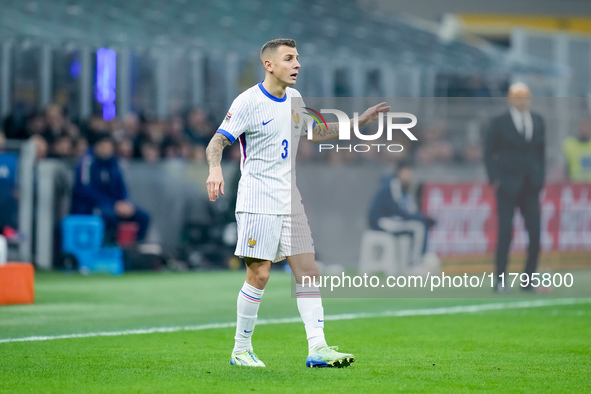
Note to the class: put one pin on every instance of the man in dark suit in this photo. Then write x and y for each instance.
(514, 157)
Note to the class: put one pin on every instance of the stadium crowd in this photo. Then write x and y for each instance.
(149, 139)
(142, 137)
(136, 136)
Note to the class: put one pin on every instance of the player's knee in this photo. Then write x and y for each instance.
(309, 272)
(262, 277)
(263, 274)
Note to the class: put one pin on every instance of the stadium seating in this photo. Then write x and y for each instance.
(382, 252)
(8, 169)
(242, 27)
(82, 233)
(82, 237)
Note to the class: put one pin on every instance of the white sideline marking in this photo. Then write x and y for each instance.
(55, 307)
(346, 316)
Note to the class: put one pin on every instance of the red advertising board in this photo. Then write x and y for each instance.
(467, 223)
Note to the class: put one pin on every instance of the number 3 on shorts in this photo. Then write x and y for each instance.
(284, 153)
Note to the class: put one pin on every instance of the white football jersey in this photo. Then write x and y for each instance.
(269, 133)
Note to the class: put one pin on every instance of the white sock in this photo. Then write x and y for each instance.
(310, 307)
(249, 300)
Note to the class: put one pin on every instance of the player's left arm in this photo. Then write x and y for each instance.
(215, 180)
(321, 134)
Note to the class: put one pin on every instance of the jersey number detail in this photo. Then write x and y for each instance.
(284, 153)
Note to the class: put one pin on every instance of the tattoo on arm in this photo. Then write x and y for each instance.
(323, 134)
(215, 148)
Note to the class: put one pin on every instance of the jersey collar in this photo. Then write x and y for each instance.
(279, 100)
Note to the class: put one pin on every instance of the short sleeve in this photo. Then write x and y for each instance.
(299, 115)
(307, 121)
(237, 119)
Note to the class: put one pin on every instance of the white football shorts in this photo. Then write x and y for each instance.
(273, 237)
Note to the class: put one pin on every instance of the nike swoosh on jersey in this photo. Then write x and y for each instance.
(267, 122)
(248, 332)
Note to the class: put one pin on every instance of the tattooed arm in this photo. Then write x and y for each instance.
(321, 133)
(215, 180)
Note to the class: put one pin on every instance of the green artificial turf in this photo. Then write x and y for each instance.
(536, 349)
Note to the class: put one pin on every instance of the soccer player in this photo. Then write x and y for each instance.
(270, 216)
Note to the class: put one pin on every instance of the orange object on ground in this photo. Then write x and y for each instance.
(17, 283)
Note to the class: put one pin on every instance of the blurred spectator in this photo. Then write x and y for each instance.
(151, 133)
(15, 124)
(72, 131)
(174, 139)
(131, 126)
(578, 154)
(197, 154)
(35, 124)
(41, 147)
(395, 211)
(62, 148)
(186, 148)
(150, 151)
(125, 149)
(156, 130)
(96, 124)
(171, 149)
(150, 139)
(80, 147)
(472, 153)
(55, 123)
(434, 146)
(199, 128)
(175, 128)
(100, 189)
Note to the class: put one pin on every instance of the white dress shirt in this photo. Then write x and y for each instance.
(523, 122)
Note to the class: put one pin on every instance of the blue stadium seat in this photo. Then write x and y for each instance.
(82, 233)
(82, 237)
(8, 169)
(8, 183)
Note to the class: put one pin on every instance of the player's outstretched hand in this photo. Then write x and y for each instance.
(371, 114)
(215, 183)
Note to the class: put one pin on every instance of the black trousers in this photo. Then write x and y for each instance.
(528, 201)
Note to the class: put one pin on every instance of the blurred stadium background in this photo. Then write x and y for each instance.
(159, 77)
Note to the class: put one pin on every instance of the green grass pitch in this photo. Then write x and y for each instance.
(525, 349)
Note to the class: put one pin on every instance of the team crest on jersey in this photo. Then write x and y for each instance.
(296, 119)
(251, 242)
(228, 116)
